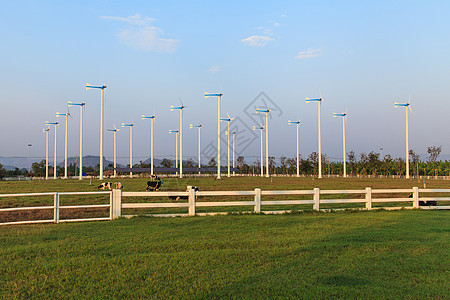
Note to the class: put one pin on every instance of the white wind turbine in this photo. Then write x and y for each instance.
(199, 127)
(65, 142)
(152, 120)
(115, 155)
(234, 135)
(344, 120)
(172, 108)
(102, 89)
(131, 146)
(219, 98)
(46, 150)
(176, 146)
(228, 120)
(406, 106)
(266, 111)
(81, 105)
(319, 101)
(261, 128)
(54, 159)
(298, 156)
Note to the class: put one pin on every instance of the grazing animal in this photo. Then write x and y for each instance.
(105, 185)
(425, 203)
(154, 184)
(118, 185)
(178, 198)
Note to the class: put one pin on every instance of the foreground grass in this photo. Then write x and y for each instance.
(402, 254)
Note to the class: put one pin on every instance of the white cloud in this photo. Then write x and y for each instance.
(148, 38)
(309, 53)
(214, 69)
(140, 35)
(283, 16)
(137, 19)
(257, 40)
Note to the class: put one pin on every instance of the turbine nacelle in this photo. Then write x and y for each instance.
(127, 125)
(261, 110)
(89, 86)
(195, 126)
(173, 131)
(293, 122)
(207, 95)
(150, 117)
(176, 107)
(70, 103)
(314, 99)
(256, 128)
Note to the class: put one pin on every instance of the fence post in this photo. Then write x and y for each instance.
(191, 201)
(56, 208)
(111, 205)
(415, 197)
(316, 199)
(257, 200)
(369, 198)
(116, 203)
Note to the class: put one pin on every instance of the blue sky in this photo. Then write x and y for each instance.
(361, 55)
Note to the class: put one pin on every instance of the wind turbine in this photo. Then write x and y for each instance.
(261, 128)
(54, 160)
(172, 108)
(115, 131)
(131, 145)
(197, 126)
(234, 135)
(319, 101)
(406, 106)
(176, 146)
(219, 97)
(152, 118)
(65, 142)
(46, 150)
(81, 105)
(266, 111)
(102, 89)
(228, 120)
(298, 158)
(344, 120)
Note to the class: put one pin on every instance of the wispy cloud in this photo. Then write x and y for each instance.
(137, 19)
(142, 36)
(213, 69)
(257, 40)
(283, 16)
(309, 53)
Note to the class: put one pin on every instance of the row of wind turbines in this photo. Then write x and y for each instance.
(179, 136)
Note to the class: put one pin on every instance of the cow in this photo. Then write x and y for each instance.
(178, 198)
(118, 185)
(154, 184)
(425, 203)
(105, 185)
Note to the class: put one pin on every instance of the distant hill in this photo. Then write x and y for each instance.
(88, 161)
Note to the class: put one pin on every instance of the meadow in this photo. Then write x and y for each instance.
(376, 254)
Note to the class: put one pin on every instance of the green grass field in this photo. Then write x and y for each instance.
(378, 254)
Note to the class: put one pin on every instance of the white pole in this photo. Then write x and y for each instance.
(46, 153)
(298, 162)
(343, 136)
(176, 150)
(115, 172)
(320, 145)
(131, 151)
(407, 145)
(199, 164)
(81, 142)
(151, 147)
(234, 173)
(65, 150)
(228, 145)
(267, 144)
(262, 167)
(218, 137)
(54, 159)
(181, 143)
(101, 135)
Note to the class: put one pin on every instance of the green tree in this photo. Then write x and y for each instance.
(166, 163)
(38, 168)
(2, 172)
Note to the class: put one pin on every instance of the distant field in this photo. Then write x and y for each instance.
(364, 255)
(208, 183)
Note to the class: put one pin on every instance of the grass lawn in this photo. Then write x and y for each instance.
(377, 254)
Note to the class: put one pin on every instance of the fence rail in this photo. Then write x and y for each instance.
(117, 204)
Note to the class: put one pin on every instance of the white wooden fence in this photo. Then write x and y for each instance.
(117, 203)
